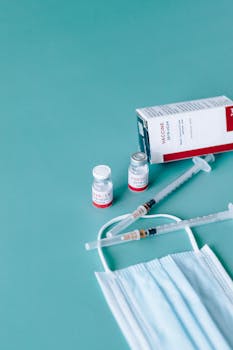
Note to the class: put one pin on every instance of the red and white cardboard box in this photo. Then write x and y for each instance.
(186, 129)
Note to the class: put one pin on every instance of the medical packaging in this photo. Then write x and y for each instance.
(186, 129)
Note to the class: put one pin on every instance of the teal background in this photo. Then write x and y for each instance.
(71, 75)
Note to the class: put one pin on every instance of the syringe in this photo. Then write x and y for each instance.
(174, 226)
(199, 164)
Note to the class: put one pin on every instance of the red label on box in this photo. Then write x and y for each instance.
(229, 118)
(198, 152)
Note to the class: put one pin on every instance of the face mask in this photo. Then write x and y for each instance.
(181, 301)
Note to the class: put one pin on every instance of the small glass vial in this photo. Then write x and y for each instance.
(138, 173)
(102, 187)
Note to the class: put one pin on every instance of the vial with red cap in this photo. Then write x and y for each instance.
(102, 187)
(138, 172)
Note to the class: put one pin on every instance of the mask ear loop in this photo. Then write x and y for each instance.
(119, 218)
(99, 236)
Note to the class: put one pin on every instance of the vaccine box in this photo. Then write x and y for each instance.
(186, 129)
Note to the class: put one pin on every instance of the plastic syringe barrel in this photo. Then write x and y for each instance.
(198, 221)
(106, 242)
(121, 225)
(140, 211)
(199, 164)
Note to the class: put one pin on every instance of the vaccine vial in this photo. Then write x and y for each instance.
(102, 187)
(138, 173)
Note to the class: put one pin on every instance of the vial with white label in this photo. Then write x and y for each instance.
(102, 187)
(138, 173)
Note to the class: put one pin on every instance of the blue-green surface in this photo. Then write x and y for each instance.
(71, 75)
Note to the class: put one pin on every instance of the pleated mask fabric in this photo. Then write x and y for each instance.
(181, 301)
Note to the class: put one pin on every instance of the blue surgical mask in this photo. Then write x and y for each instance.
(181, 301)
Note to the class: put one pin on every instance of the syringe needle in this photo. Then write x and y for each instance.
(174, 226)
(199, 164)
